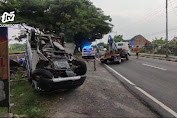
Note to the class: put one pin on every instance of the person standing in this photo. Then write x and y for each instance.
(137, 50)
(110, 43)
(97, 52)
(62, 38)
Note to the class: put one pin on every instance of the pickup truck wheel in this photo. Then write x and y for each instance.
(127, 58)
(38, 75)
(81, 67)
(103, 61)
(42, 72)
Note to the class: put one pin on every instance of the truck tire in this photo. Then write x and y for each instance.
(119, 61)
(127, 58)
(39, 74)
(44, 73)
(103, 61)
(81, 67)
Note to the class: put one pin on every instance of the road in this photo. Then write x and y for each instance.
(102, 95)
(156, 77)
(16, 56)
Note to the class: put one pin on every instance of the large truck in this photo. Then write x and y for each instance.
(115, 52)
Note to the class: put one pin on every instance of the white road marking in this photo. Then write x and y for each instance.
(155, 67)
(120, 75)
(145, 93)
(158, 102)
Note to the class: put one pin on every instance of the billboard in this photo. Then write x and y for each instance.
(4, 68)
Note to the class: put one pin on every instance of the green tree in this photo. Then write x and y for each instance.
(102, 44)
(118, 38)
(80, 20)
(17, 47)
(159, 42)
(173, 46)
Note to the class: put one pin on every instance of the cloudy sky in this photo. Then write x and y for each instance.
(14, 32)
(133, 17)
(146, 17)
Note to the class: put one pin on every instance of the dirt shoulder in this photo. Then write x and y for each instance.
(101, 95)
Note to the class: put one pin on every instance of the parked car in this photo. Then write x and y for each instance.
(49, 67)
(88, 52)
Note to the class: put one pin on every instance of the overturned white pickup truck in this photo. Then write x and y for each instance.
(49, 67)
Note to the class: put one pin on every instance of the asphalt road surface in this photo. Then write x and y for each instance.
(102, 95)
(156, 77)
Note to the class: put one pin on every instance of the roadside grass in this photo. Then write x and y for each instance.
(3, 111)
(157, 56)
(26, 101)
(13, 51)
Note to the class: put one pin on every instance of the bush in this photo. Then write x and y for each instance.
(142, 50)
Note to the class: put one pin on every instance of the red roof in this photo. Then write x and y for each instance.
(174, 39)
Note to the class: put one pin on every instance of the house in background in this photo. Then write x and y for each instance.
(174, 39)
(140, 41)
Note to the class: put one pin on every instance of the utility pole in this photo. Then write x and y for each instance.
(153, 46)
(166, 28)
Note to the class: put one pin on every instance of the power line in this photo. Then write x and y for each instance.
(147, 17)
(148, 20)
(141, 21)
(173, 8)
(151, 21)
(152, 17)
(161, 32)
(148, 14)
